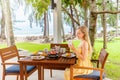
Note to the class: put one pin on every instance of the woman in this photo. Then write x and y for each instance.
(83, 53)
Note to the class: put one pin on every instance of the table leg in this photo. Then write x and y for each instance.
(39, 72)
(71, 73)
(21, 72)
(42, 73)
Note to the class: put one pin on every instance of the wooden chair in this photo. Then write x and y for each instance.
(10, 67)
(97, 74)
(52, 45)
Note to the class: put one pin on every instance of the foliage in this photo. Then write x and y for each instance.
(40, 6)
(111, 18)
(95, 54)
(77, 7)
(71, 2)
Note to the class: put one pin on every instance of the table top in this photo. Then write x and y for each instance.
(59, 60)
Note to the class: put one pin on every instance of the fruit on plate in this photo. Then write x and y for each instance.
(52, 52)
(68, 54)
(43, 54)
(35, 52)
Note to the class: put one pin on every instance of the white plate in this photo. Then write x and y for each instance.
(37, 57)
(71, 55)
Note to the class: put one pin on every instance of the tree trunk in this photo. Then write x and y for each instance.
(117, 18)
(73, 25)
(86, 19)
(45, 24)
(46, 27)
(3, 26)
(85, 14)
(104, 31)
(93, 18)
(104, 27)
(76, 13)
(63, 33)
(8, 22)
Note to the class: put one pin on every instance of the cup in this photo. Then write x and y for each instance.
(62, 50)
(46, 50)
(57, 49)
(69, 42)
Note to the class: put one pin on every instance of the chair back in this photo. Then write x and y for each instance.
(52, 45)
(102, 58)
(9, 53)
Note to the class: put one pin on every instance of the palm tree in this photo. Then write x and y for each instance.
(3, 26)
(8, 22)
(40, 8)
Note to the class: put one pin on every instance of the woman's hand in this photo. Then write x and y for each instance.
(72, 47)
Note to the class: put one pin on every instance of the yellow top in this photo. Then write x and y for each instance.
(82, 63)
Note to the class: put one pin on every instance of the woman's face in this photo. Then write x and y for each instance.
(79, 34)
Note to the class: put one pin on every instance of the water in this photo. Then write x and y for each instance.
(23, 29)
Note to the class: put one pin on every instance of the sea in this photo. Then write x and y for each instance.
(22, 28)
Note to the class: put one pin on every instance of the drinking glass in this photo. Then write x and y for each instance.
(62, 50)
(46, 50)
(57, 49)
(69, 42)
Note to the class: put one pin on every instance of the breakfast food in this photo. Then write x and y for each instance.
(68, 54)
(35, 52)
(43, 54)
(52, 52)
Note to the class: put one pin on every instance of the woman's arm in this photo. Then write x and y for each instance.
(84, 51)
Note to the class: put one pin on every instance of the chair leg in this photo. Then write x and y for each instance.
(25, 78)
(51, 73)
(3, 77)
(17, 77)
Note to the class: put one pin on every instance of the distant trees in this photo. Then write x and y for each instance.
(90, 14)
(40, 8)
(76, 13)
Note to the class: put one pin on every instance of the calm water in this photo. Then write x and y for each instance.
(23, 29)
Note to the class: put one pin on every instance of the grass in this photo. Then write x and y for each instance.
(112, 66)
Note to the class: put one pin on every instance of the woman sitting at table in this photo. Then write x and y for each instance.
(83, 53)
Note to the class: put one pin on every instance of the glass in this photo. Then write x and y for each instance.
(57, 49)
(62, 50)
(69, 42)
(46, 50)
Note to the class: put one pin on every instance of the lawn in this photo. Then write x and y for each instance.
(112, 66)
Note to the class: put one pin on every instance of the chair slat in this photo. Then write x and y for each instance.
(102, 57)
(52, 45)
(9, 53)
(94, 76)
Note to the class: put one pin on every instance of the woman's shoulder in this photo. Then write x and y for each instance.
(85, 44)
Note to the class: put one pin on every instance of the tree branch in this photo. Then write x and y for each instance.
(109, 12)
(70, 16)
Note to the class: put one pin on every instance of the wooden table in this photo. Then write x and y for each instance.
(59, 64)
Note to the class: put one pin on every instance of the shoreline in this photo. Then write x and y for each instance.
(34, 39)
